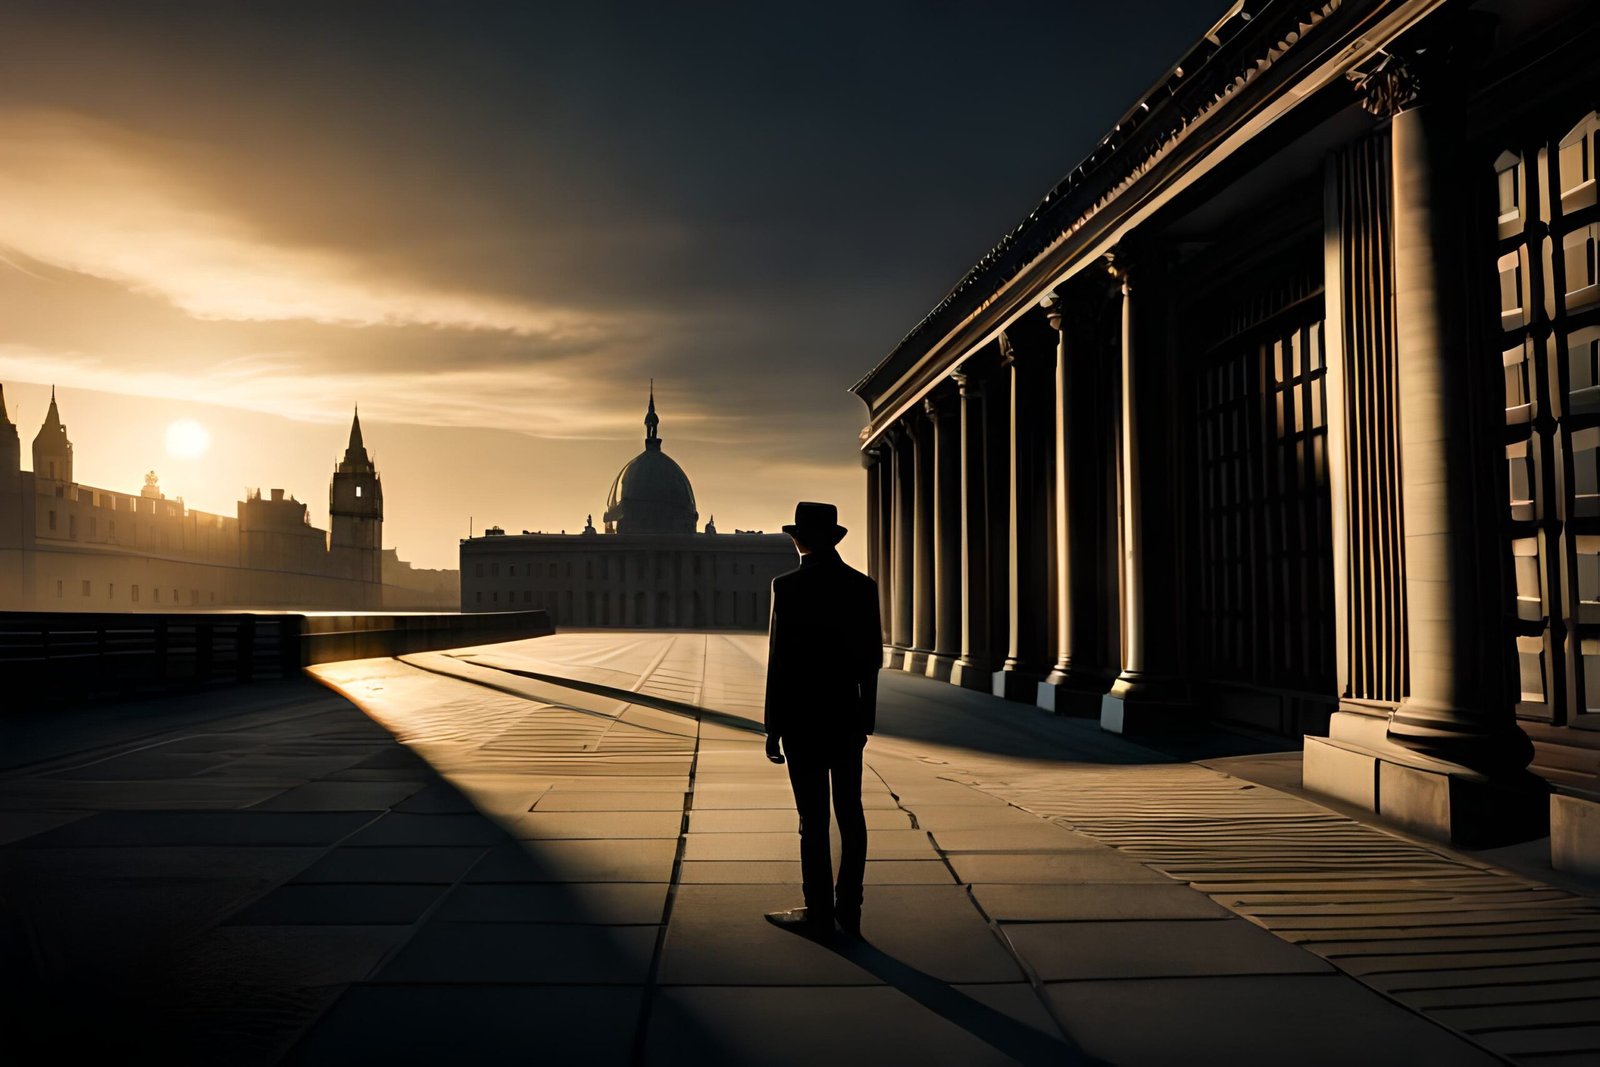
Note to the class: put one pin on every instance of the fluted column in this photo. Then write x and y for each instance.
(943, 418)
(973, 669)
(1459, 707)
(903, 551)
(922, 616)
(1018, 677)
(883, 508)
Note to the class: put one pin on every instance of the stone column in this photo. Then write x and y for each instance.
(1457, 708)
(1063, 689)
(922, 617)
(901, 556)
(1017, 678)
(974, 669)
(946, 448)
(1138, 700)
(1452, 763)
(880, 508)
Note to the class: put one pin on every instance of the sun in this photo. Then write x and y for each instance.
(187, 439)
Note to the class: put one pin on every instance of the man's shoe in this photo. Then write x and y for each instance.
(850, 924)
(802, 921)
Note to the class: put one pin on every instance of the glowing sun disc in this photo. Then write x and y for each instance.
(187, 439)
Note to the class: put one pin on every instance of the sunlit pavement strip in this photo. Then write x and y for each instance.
(565, 873)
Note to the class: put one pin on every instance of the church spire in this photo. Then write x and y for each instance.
(355, 455)
(651, 420)
(5, 416)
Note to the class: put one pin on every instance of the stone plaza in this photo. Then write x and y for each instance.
(560, 850)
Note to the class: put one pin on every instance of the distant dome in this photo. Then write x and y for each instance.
(651, 494)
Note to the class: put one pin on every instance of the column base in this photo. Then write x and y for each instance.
(1140, 704)
(940, 666)
(972, 674)
(893, 657)
(1427, 796)
(1015, 683)
(916, 661)
(1069, 692)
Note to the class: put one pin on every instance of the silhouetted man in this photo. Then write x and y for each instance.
(824, 650)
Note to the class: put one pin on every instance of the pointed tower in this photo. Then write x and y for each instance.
(355, 506)
(52, 451)
(10, 445)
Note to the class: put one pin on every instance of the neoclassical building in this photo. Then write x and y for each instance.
(1283, 408)
(649, 568)
(65, 546)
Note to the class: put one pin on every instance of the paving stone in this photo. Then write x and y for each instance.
(616, 860)
(776, 820)
(347, 904)
(1563, 1041)
(421, 865)
(1065, 868)
(182, 794)
(594, 824)
(937, 930)
(119, 829)
(437, 799)
(17, 825)
(277, 956)
(1139, 949)
(143, 766)
(340, 796)
(757, 872)
(881, 1026)
(883, 845)
(718, 936)
(276, 765)
(1266, 1021)
(611, 903)
(1039, 837)
(399, 828)
(588, 800)
(519, 953)
(1068, 903)
(478, 1025)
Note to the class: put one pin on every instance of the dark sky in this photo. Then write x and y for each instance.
(504, 218)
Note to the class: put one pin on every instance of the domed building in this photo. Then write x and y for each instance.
(651, 494)
(649, 566)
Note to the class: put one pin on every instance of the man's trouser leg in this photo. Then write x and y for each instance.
(808, 775)
(844, 764)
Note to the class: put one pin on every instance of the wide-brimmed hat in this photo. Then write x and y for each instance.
(816, 523)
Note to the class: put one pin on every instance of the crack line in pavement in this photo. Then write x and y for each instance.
(1028, 973)
(652, 980)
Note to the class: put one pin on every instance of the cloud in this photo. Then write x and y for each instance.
(83, 196)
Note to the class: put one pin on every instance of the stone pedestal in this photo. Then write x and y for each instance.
(1575, 834)
(1359, 765)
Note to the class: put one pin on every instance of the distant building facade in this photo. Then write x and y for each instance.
(1283, 408)
(71, 547)
(650, 568)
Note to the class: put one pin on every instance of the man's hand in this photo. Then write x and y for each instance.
(774, 753)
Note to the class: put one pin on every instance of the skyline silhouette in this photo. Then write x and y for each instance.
(490, 227)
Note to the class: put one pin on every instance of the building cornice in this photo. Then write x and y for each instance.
(1252, 69)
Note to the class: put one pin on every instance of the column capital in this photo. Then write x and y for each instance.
(938, 405)
(1052, 303)
(1392, 83)
(1118, 266)
(968, 384)
(1425, 67)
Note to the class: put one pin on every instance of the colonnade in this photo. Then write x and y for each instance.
(986, 515)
